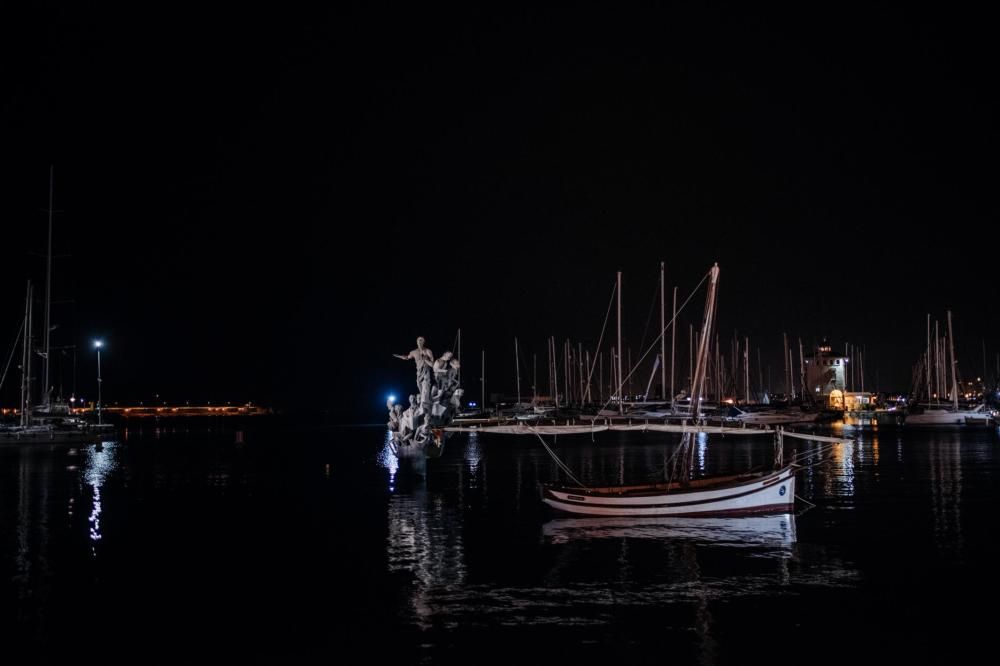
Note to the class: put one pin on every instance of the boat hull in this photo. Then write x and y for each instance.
(764, 494)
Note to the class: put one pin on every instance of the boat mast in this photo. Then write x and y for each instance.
(746, 369)
(954, 372)
(517, 369)
(663, 338)
(26, 360)
(48, 298)
(482, 385)
(621, 405)
(555, 372)
(928, 357)
(534, 378)
(802, 371)
(788, 373)
(937, 361)
(459, 357)
(698, 380)
(673, 349)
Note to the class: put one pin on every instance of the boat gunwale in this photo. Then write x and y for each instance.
(674, 488)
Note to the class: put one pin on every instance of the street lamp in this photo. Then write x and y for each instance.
(97, 345)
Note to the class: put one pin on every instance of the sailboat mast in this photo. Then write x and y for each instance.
(663, 338)
(937, 360)
(673, 349)
(459, 357)
(482, 385)
(555, 372)
(48, 296)
(534, 378)
(746, 369)
(26, 360)
(954, 371)
(698, 381)
(802, 371)
(788, 373)
(517, 369)
(621, 405)
(928, 357)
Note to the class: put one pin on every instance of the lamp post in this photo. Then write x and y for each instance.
(97, 345)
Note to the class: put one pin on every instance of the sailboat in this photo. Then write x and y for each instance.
(51, 420)
(731, 495)
(937, 414)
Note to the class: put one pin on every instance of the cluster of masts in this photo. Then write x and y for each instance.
(579, 376)
(26, 334)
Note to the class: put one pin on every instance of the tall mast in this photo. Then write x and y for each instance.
(928, 357)
(746, 369)
(482, 385)
(459, 357)
(802, 371)
(954, 372)
(621, 405)
(26, 360)
(673, 349)
(517, 369)
(690, 359)
(937, 360)
(698, 381)
(534, 378)
(48, 297)
(663, 338)
(788, 373)
(555, 372)
(760, 378)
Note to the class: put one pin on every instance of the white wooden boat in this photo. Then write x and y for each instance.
(736, 495)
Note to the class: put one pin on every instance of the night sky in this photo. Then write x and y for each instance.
(265, 204)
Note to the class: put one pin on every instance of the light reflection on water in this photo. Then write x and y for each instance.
(447, 556)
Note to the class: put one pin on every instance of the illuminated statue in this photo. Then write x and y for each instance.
(424, 359)
(436, 404)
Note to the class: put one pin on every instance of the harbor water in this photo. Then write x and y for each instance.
(267, 541)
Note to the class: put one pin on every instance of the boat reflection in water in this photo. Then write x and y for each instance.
(774, 531)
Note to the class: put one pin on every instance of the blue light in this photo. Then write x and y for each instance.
(392, 398)
(472, 404)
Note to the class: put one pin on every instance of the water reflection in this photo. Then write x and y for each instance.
(425, 540)
(99, 463)
(388, 459)
(777, 531)
(946, 491)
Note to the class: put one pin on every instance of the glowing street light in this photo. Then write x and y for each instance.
(97, 345)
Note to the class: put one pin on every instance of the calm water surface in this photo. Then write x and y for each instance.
(269, 542)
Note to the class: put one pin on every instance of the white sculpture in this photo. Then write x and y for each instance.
(435, 406)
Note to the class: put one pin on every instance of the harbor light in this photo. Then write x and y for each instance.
(97, 345)
(392, 398)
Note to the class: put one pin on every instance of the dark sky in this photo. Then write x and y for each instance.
(264, 204)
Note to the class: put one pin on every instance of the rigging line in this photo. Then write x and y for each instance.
(13, 348)
(802, 499)
(558, 462)
(653, 343)
(590, 373)
(454, 345)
